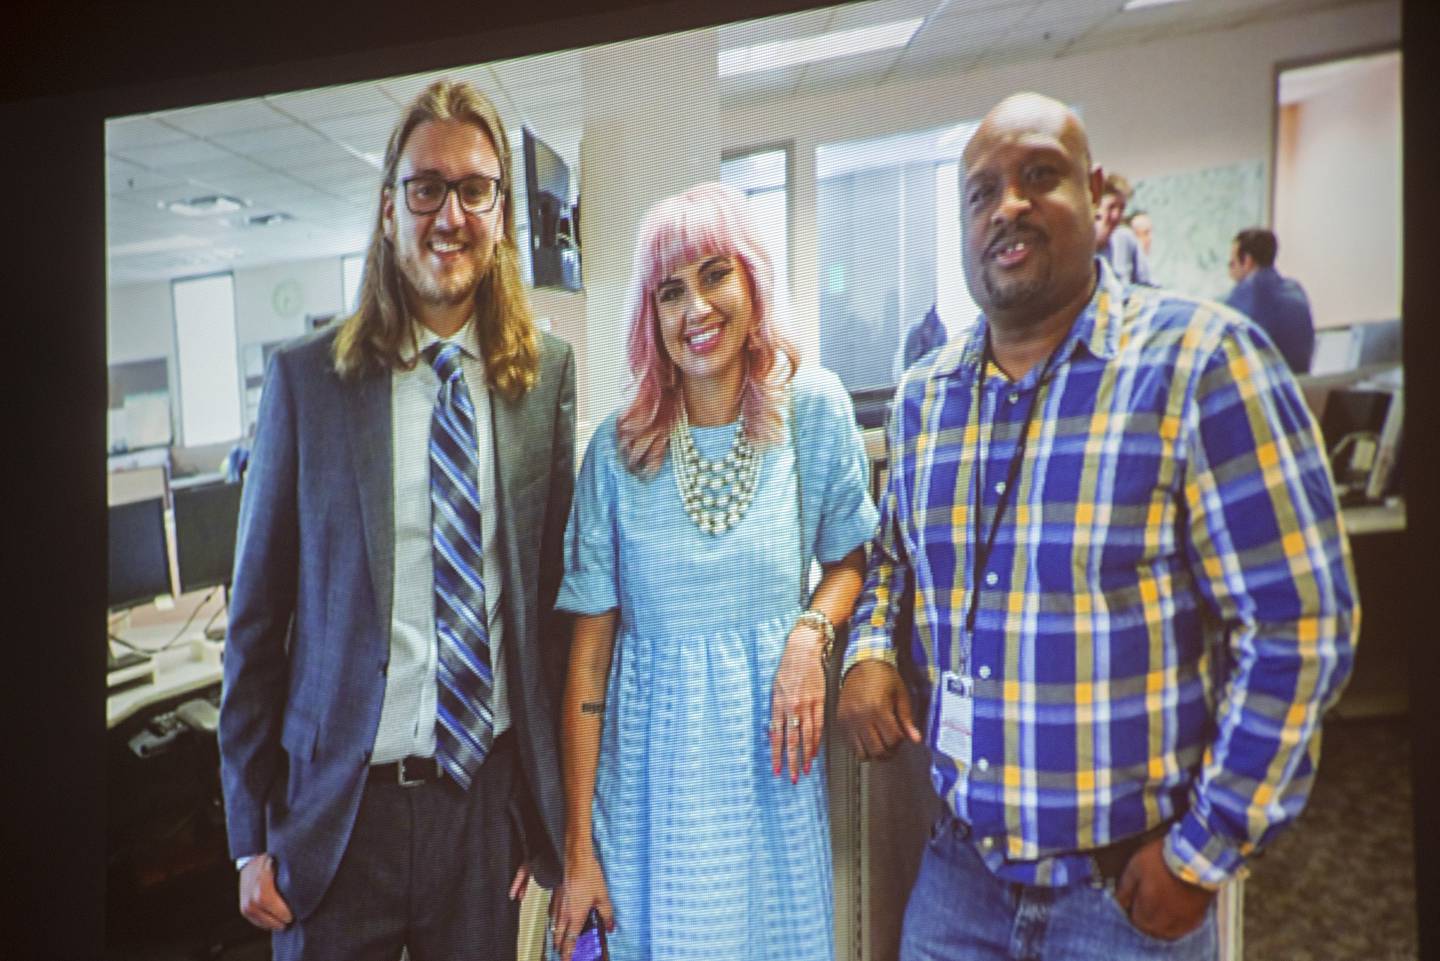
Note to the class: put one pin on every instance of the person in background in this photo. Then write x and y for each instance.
(1143, 228)
(1115, 242)
(1275, 302)
(697, 819)
(925, 335)
(1111, 526)
(388, 754)
(237, 458)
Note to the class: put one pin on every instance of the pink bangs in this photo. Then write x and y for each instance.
(704, 221)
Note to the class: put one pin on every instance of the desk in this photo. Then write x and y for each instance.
(169, 878)
(1385, 578)
(1363, 519)
(193, 664)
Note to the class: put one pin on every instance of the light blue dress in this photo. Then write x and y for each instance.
(706, 853)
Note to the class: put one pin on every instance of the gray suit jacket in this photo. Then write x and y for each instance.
(309, 634)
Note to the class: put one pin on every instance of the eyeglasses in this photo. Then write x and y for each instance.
(427, 193)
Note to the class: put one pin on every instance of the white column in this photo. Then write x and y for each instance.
(804, 320)
(652, 129)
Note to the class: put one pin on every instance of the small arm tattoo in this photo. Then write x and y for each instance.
(592, 707)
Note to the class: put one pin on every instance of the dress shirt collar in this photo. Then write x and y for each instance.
(1097, 329)
(467, 337)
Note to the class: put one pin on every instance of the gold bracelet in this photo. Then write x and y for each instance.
(817, 619)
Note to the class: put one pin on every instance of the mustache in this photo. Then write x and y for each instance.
(1011, 234)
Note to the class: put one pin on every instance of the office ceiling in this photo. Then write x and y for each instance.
(314, 156)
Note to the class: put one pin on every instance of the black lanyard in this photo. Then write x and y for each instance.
(1012, 475)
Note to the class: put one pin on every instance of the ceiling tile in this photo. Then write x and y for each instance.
(516, 75)
(790, 26)
(963, 40)
(338, 168)
(852, 15)
(140, 132)
(1069, 19)
(261, 143)
(365, 132)
(228, 167)
(226, 118)
(122, 175)
(294, 159)
(829, 75)
(328, 102)
(151, 198)
(161, 156)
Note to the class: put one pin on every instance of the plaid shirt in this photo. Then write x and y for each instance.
(1168, 608)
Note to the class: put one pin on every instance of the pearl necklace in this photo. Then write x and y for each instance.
(715, 494)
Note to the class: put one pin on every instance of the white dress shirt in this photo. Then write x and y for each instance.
(407, 717)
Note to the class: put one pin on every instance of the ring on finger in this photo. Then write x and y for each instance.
(793, 720)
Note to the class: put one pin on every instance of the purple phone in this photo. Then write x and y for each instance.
(590, 945)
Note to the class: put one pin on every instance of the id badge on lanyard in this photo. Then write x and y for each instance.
(953, 725)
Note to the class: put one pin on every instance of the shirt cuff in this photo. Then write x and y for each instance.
(242, 861)
(1197, 856)
(867, 651)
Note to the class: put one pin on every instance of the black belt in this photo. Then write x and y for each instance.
(1110, 860)
(406, 772)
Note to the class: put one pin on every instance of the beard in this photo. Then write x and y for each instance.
(447, 288)
(1007, 293)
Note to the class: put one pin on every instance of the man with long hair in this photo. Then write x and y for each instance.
(387, 746)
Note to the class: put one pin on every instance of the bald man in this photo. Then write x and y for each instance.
(1110, 533)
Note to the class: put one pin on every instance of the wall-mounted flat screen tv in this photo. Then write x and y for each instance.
(554, 207)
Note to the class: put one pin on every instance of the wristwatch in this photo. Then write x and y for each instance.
(817, 619)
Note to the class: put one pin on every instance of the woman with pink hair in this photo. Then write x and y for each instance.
(696, 811)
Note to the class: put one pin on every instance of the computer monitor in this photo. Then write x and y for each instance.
(1334, 351)
(139, 560)
(1377, 343)
(205, 521)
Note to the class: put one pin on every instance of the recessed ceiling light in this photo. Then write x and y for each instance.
(776, 54)
(205, 205)
(266, 220)
(1142, 4)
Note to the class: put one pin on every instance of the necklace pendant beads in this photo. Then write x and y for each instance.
(715, 494)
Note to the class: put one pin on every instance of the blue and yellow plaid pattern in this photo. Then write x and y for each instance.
(1169, 606)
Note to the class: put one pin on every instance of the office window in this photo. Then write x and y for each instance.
(958, 311)
(208, 359)
(888, 226)
(352, 269)
(762, 174)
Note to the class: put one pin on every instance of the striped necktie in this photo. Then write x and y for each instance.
(464, 726)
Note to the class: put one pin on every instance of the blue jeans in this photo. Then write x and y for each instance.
(959, 911)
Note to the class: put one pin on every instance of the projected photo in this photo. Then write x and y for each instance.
(577, 449)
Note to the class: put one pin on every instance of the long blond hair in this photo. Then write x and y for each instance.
(372, 339)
